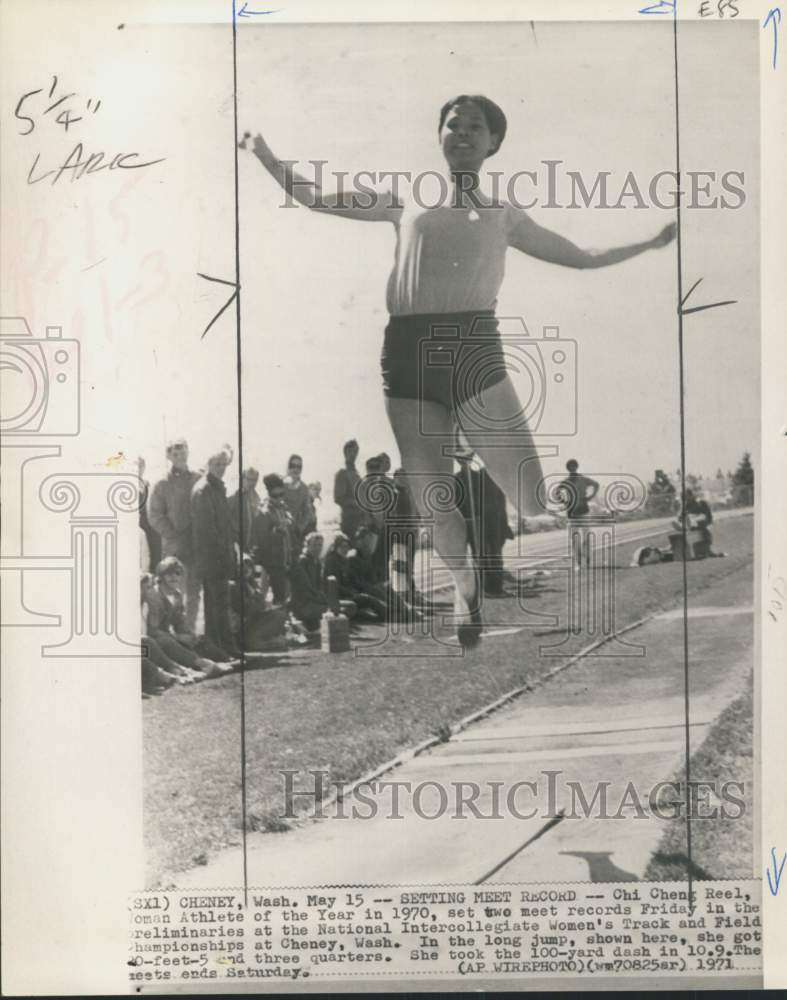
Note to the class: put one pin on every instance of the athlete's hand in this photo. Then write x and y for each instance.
(667, 235)
(257, 145)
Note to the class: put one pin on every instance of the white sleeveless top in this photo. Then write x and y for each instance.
(449, 259)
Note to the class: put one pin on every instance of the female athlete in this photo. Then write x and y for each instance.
(443, 360)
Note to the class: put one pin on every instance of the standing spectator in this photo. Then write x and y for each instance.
(315, 492)
(345, 486)
(249, 504)
(169, 511)
(299, 501)
(577, 491)
(375, 494)
(487, 505)
(272, 537)
(213, 550)
(152, 537)
(407, 527)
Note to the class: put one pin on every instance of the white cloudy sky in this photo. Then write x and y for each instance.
(596, 96)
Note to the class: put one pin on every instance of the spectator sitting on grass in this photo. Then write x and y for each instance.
(368, 591)
(262, 626)
(153, 651)
(309, 600)
(335, 565)
(167, 624)
(159, 672)
(699, 518)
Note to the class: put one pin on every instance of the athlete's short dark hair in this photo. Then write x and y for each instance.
(495, 119)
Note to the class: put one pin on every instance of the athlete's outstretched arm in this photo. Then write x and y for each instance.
(366, 204)
(542, 243)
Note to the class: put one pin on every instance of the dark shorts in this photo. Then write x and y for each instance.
(442, 357)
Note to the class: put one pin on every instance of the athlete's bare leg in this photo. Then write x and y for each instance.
(426, 464)
(495, 427)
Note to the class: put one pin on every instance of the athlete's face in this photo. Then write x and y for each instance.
(465, 137)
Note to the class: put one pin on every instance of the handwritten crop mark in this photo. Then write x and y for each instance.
(662, 7)
(695, 309)
(775, 870)
(245, 12)
(227, 304)
(774, 18)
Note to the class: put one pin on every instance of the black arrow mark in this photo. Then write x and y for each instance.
(695, 309)
(243, 12)
(227, 304)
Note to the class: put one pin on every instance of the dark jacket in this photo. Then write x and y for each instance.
(165, 614)
(300, 505)
(337, 566)
(699, 508)
(306, 584)
(489, 503)
(251, 504)
(272, 537)
(362, 574)
(344, 496)
(214, 555)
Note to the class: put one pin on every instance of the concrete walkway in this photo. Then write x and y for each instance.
(617, 720)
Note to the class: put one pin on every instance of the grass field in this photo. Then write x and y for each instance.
(347, 714)
(720, 847)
